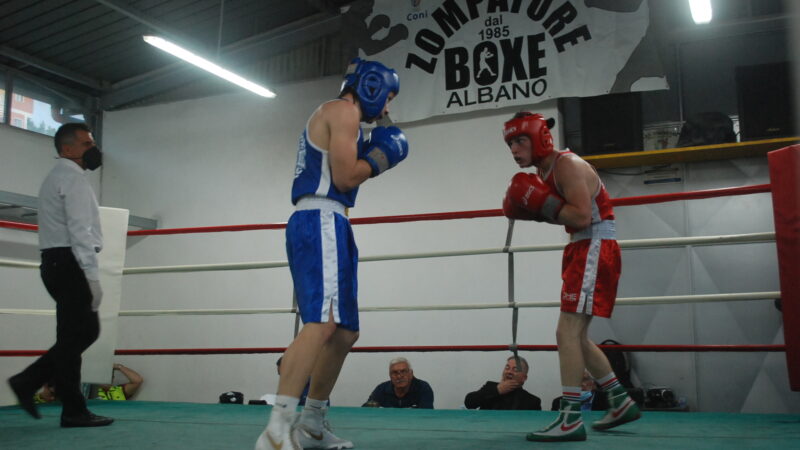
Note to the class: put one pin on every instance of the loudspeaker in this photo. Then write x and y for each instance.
(765, 98)
(611, 123)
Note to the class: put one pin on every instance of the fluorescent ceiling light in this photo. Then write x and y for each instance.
(701, 10)
(207, 65)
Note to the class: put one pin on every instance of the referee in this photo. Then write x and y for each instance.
(69, 238)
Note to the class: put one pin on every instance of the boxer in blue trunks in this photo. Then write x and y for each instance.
(333, 160)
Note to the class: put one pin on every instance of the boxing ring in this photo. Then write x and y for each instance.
(181, 425)
(161, 425)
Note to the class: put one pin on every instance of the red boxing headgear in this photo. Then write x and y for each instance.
(534, 126)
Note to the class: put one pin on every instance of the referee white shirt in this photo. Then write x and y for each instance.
(68, 215)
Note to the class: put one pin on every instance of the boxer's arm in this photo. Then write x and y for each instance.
(574, 177)
(343, 120)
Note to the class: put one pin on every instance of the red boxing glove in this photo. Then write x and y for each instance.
(529, 198)
(513, 211)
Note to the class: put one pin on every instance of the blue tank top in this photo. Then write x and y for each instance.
(312, 173)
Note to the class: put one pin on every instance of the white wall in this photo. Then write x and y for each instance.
(230, 159)
(25, 159)
(746, 382)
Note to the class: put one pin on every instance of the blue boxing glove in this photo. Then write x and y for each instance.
(385, 148)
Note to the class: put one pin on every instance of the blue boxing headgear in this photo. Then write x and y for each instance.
(371, 82)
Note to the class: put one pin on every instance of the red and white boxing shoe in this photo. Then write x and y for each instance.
(567, 427)
(623, 410)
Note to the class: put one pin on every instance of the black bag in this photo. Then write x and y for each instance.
(232, 397)
(619, 363)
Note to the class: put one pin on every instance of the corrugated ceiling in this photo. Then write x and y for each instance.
(95, 47)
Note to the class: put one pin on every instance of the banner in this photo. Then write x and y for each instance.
(456, 56)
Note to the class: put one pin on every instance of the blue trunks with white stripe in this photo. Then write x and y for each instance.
(323, 259)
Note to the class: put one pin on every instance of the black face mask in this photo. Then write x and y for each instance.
(92, 158)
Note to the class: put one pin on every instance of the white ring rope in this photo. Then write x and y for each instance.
(18, 264)
(628, 244)
(662, 300)
(633, 244)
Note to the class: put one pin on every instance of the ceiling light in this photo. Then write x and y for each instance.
(701, 10)
(207, 65)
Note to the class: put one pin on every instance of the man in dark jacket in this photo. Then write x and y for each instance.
(508, 393)
(403, 390)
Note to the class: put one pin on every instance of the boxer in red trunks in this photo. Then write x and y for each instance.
(567, 191)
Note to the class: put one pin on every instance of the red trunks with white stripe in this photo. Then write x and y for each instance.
(590, 269)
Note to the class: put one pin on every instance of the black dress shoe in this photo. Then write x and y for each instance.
(85, 420)
(24, 398)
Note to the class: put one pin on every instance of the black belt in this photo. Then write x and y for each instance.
(55, 252)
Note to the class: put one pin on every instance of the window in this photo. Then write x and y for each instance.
(2, 104)
(21, 111)
(40, 111)
(2, 97)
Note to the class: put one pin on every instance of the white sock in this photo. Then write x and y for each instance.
(316, 404)
(284, 403)
(283, 414)
(314, 413)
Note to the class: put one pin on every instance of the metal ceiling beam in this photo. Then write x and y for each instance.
(50, 67)
(242, 52)
(145, 19)
(328, 5)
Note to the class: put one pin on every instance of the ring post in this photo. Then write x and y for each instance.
(784, 174)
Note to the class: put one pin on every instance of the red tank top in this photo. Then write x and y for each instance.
(601, 202)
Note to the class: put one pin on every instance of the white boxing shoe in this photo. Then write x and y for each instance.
(324, 439)
(287, 441)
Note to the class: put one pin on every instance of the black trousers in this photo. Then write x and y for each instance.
(77, 327)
